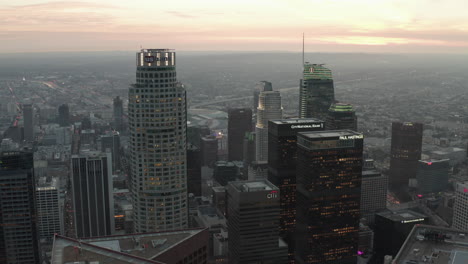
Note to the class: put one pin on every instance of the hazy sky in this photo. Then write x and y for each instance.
(245, 25)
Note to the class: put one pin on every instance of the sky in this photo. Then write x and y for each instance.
(400, 26)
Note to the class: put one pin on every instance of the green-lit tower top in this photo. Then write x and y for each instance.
(316, 72)
(341, 107)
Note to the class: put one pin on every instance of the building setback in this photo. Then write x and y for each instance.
(239, 122)
(18, 220)
(316, 91)
(262, 86)
(329, 169)
(282, 156)
(253, 219)
(92, 194)
(157, 126)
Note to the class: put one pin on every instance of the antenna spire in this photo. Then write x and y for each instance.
(303, 49)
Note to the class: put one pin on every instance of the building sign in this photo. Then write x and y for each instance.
(307, 126)
(412, 221)
(351, 137)
(272, 194)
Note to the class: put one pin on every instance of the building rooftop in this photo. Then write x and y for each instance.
(131, 248)
(254, 186)
(316, 72)
(341, 134)
(403, 216)
(341, 107)
(436, 245)
(295, 121)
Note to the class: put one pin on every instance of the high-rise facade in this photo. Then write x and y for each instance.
(49, 212)
(316, 91)
(262, 86)
(269, 108)
(282, 156)
(92, 194)
(341, 116)
(374, 187)
(194, 178)
(209, 150)
(63, 115)
(460, 207)
(405, 153)
(111, 141)
(253, 210)
(28, 119)
(239, 122)
(329, 169)
(18, 221)
(433, 175)
(118, 113)
(157, 125)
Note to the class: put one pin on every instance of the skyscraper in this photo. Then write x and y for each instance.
(92, 194)
(433, 175)
(262, 86)
(63, 115)
(194, 165)
(239, 122)
(329, 169)
(18, 222)
(405, 152)
(460, 208)
(253, 210)
(374, 187)
(28, 122)
(269, 108)
(316, 91)
(341, 116)
(111, 141)
(157, 124)
(282, 156)
(118, 114)
(50, 212)
(209, 150)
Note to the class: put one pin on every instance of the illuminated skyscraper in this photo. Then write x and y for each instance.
(316, 91)
(329, 170)
(157, 126)
(269, 108)
(282, 156)
(405, 153)
(341, 116)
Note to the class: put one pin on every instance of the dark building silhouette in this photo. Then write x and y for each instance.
(118, 113)
(86, 123)
(262, 86)
(224, 172)
(111, 141)
(249, 152)
(92, 194)
(18, 221)
(405, 153)
(329, 169)
(374, 187)
(193, 170)
(239, 122)
(195, 133)
(209, 150)
(391, 230)
(282, 156)
(253, 219)
(28, 122)
(433, 175)
(341, 116)
(63, 115)
(316, 91)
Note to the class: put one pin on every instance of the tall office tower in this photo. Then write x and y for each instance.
(157, 123)
(253, 210)
(195, 133)
(194, 178)
(111, 141)
(49, 212)
(374, 187)
(118, 114)
(28, 122)
(316, 92)
(433, 175)
(224, 172)
(405, 153)
(93, 200)
(239, 122)
(262, 86)
(63, 115)
(329, 169)
(18, 222)
(341, 116)
(209, 150)
(282, 156)
(249, 153)
(269, 108)
(460, 208)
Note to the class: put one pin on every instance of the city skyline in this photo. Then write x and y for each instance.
(331, 26)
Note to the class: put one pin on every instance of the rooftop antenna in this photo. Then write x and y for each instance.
(302, 50)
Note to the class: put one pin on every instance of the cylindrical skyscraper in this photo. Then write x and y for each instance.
(269, 108)
(157, 123)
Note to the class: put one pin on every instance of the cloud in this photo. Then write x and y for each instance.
(181, 14)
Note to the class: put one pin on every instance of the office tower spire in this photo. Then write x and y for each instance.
(269, 108)
(157, 124)
(316, 91)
